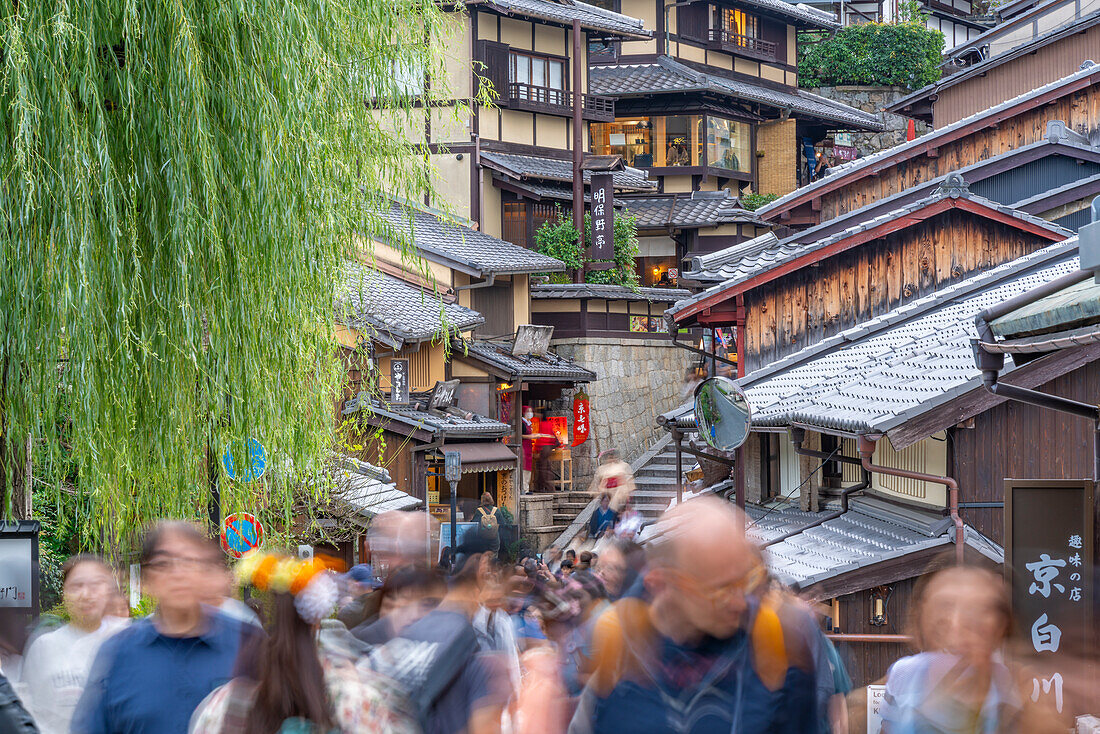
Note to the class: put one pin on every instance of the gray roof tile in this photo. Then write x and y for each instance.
(498, 353)
(841, 172)
(798, 11)
(523, 167)
(592, 18)
(611, 292)
(666, 75)
(367, 490)
(395, 312)
(697, 209)
(438, 422)
(443, 239)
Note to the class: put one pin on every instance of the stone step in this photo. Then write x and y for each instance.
(556, 528)
(563, 519)
(658, 481)
(657, 470)
(660, 493)
(575, 507)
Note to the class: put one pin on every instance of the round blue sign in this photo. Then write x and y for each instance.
(253, 469)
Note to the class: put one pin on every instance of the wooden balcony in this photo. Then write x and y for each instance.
(734, 43)
(558, 102)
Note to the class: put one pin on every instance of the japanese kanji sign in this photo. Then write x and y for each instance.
(399, 382)
(1048, 559)
(603, 202)
(581, 425)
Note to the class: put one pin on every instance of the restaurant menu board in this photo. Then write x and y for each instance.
(1049, 559)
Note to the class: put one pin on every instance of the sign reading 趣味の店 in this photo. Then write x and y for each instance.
(1048, 562)
(603, 205)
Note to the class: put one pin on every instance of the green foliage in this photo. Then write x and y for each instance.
(754, 201)
(625, 272)
(558, 238)
(146, 606)
(903, 54)
(181, 185)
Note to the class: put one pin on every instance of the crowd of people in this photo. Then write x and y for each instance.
(686, 634)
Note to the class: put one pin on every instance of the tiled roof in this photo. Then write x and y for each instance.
(666, 75)
(946, 133)
(523, 167)
(747, 260)
(689, 210)
(395, 312)
(542, 291)
(880, 374)
(442, 239)
(498, 353)
(367, 490)
(799, 12)
(871, 532)
(439, 422)
(591, 17)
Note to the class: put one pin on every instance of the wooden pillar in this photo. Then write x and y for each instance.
(578, 142)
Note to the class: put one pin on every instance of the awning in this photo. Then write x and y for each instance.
(480, 457)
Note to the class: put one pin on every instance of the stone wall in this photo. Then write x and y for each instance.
(638, 380)
(875, 100)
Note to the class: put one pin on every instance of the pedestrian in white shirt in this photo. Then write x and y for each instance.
(56, 665)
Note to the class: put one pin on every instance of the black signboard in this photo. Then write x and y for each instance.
(1048, 560)
(399, 382)
(603, 205)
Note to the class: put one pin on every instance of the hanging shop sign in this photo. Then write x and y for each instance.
(1049, 550)
(241, 532)
(581, 424)
(250, 469)
(603, 205)
(399, 382)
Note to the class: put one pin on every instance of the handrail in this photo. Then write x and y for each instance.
(535, 94)
(734, 40)
(585, 515)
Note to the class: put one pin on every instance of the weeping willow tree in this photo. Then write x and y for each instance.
(181, 184)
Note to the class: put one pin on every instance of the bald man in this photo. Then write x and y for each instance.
(715, 650)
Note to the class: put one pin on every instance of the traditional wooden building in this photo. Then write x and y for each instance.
(859, 438)
(784, 295)
(955, 19)
(1015, 123)
(1034, 45)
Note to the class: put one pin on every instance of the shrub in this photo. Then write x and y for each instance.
(752, 202)
(558, 238)
(903, 54)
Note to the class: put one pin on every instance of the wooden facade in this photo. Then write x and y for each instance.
(1077, 104)
(789, 311)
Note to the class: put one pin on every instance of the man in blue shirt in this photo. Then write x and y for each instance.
(711, 652)
(151, 677)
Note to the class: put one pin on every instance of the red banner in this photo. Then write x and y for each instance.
(580, 418)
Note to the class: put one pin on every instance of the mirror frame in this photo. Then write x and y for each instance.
(729, 386)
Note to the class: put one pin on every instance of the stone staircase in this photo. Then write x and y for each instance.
(655, 490)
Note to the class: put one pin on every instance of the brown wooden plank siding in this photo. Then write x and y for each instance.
(867, 662)
(815, 302)
(1080, 111)
(1018, 441)
(1015, 77)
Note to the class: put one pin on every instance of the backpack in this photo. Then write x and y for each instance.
(488, 521)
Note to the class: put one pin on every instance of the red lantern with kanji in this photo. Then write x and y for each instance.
(580, 418)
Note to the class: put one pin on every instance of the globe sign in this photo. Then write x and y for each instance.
(250, 471)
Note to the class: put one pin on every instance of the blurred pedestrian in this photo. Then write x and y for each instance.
(487, 518)
(298, 686)
(362, 601)
(56, 666)
(221, 595)
(707, 654)
(452, 685)
(148, 678)
(409, 593)
(603, 518)
(615, 478)
(960, 682)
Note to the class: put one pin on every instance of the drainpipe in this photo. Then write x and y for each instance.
(487, 283)
(739, 341)
(867, 450)
(798, 435)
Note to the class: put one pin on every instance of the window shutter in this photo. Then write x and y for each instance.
(495, 57)
(691, 21)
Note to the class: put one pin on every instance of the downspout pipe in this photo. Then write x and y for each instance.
(487, 283)
(867, 450)
(798, 435)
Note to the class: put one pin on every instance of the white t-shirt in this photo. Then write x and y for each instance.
(55, 670)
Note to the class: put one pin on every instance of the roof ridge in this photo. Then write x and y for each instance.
(916, 307)
(838, 172)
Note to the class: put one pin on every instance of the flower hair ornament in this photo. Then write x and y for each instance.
(309, 581)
